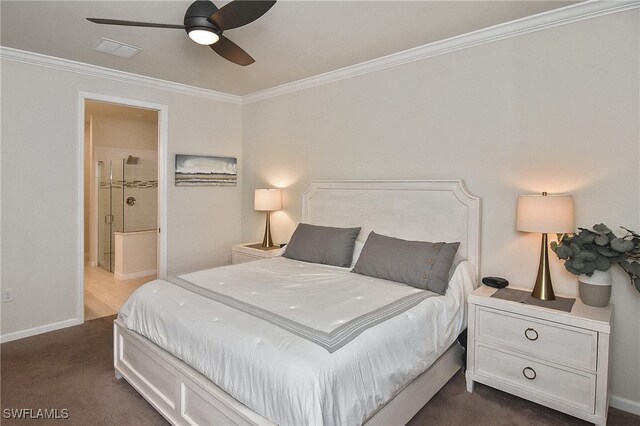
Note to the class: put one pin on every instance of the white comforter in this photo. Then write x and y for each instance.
(281, 376)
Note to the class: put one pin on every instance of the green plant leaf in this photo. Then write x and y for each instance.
(585, 235)
(563, 252)
(607, 252)
(601, 240)
(619, 258)
(581, 255)
(632, 268)
(590, 256)
(588, 268)
(575, 248)
(603, 264)
(601, 228)
(570, 268)
(622, 245)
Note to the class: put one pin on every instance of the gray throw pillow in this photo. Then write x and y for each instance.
(418, 263)
(322, 244)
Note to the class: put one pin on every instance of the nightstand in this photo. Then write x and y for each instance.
(241, 253)
(554, 358)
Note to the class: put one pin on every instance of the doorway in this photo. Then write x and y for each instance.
(122, 206)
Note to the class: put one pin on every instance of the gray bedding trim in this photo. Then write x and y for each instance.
(454, 267)
(331, 341)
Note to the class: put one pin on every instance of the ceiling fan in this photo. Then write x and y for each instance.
(205, 23)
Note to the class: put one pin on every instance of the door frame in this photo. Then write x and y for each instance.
(163, 137)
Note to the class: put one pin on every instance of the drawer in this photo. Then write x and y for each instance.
(557, 385)
(551, 341)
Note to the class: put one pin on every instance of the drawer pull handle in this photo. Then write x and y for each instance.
(531, 334)
(529, 373)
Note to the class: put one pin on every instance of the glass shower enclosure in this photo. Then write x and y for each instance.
(110, 209)
(127, 201)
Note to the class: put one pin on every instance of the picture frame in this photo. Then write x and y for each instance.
(204, 170)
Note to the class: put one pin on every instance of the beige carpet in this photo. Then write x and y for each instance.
(73, 369)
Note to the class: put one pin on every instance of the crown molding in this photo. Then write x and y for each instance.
(542, 21)
(38, 59)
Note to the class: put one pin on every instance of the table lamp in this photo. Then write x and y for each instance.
(545, 214)
(267, 200)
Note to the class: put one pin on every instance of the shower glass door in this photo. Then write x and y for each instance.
(110, 209)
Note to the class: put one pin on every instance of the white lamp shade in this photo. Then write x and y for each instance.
(547, 214)
(267, 200)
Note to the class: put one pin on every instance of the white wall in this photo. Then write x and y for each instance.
(119, 132)
(39, 187)
(552, 111)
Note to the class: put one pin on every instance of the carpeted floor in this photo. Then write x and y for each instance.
(72, 369)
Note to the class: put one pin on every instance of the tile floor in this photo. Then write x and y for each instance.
(103, 294)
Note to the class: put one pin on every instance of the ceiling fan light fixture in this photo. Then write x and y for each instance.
(203, 36)
(205, 23)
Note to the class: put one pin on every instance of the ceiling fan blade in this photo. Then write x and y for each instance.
(239, 13)
(133, 23)
(231, 51)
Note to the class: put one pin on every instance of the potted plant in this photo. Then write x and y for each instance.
(590, 254)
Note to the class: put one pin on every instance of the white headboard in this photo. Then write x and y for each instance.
(423, 210)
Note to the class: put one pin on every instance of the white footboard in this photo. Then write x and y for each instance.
(185, 397)
(182, 395)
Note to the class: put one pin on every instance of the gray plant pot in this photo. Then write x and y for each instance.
(596, 289)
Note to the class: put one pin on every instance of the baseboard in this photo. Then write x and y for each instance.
(21, 334)
(625, 404)
(133, 275)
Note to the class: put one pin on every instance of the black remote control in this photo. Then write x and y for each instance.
(495, 282)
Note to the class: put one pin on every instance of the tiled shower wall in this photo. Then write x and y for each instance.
(141, 183)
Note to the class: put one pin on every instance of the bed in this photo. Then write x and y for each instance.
(261, 360)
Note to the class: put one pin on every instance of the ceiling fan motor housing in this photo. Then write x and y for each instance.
(196, 17)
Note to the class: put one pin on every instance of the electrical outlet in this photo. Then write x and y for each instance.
(7, 295)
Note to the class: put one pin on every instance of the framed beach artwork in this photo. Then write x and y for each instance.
(201, 170)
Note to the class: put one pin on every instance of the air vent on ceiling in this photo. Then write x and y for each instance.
(116, 48)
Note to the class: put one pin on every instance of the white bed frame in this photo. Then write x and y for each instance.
(421, 210)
